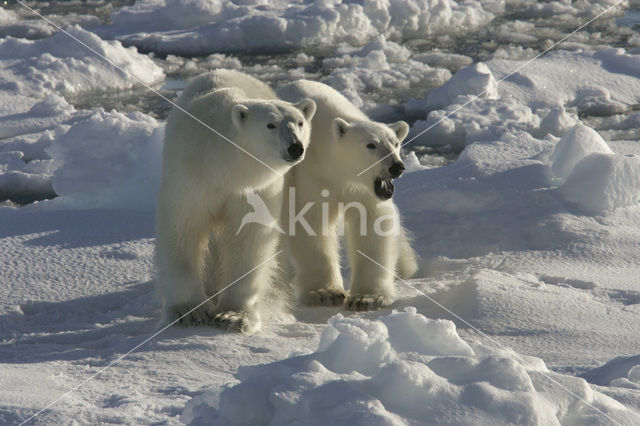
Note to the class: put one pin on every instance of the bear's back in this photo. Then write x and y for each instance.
(329, 102)
(219, 79)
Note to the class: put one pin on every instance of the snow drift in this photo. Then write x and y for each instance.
(403, 368)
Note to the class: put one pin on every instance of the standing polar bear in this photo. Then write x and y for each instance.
(347, 176)
(201, 246)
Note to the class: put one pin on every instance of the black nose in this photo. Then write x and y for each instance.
(295, 150)
(397, 169)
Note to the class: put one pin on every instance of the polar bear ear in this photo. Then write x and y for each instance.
(401, 129)
(239, 114)
(308, 108)
(339, 127)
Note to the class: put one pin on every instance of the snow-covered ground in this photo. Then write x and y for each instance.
(526, 309)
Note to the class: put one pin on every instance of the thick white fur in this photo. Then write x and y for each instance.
(202, 197)
(337, 153)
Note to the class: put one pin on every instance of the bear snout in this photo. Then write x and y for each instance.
(295, 150)
(396, 169)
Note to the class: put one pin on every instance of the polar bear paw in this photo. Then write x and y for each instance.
(235, 321)
(187, 316)
(324, 297)
(368, 302)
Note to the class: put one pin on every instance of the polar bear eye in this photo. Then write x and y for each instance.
(300, 123)
(271, 126)
(371, 145)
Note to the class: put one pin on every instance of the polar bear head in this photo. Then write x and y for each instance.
(281, 128)
(373, 153)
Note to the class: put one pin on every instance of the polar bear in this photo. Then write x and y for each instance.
(230, 134)
(346, 176)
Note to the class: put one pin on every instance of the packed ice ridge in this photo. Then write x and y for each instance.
(403, 368)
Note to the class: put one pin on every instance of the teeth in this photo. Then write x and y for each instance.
(383, 188)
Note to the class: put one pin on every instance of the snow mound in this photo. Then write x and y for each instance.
(59, 64)
(476, 80)
(190, 27)
(592, 177)
(575, 145)
(412, 163)
(403, 368)
(118, 169)
(556, 122)
(601, 183)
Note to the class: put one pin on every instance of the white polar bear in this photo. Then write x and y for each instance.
(329, 184)
(200, 247)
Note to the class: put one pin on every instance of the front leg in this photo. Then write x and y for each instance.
(313, 248)
(311, 241)
(373, 255)
(180, 246)
(317, 269)
(248, 260)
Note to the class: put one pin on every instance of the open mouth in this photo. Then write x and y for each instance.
(383, 188)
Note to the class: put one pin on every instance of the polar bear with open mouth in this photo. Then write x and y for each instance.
(346, 175)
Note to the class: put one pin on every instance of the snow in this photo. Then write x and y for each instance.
(21, 23)
(403, 368)
(380, 65)
(125, 173)
(540, 98)
(449, 60)
(523, 206)
(574, 146)
(600, 183)
(58, 64)
(57, 153)
(34, 115)
(624, 370)
(476, 80)
(205, 27)
(30, 115)
(593, 177)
